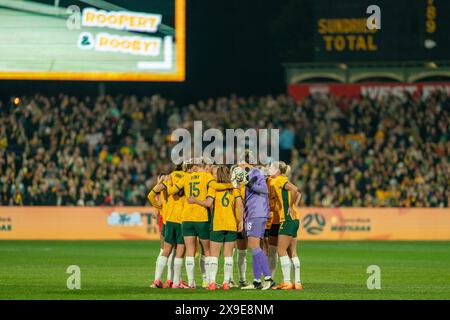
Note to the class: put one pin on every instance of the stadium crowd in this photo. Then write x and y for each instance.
(107, 150)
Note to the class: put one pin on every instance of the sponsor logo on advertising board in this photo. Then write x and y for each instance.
(314, 223)
(5, 224)
(124, 219)
(141, 223)
(371, 90)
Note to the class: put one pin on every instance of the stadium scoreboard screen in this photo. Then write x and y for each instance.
(412, 30)
(114, 40)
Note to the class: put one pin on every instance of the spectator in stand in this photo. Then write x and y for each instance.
(108, 150)
(287, 138)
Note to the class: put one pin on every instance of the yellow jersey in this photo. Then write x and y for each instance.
(284, 198)
(273, 204)
(164, 207)
(218, 186)
(225, 213)
(176, 201)
(194, 184)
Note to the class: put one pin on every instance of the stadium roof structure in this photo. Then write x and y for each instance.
(353, 72)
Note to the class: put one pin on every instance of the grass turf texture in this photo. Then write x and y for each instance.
(124, 270)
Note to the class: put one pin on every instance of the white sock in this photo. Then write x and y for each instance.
(242, 264)
(227, 269)
(202, 263)
(190, 265)
(160, 252)
(208, 269)
(273, 260)
(177, 265)
(160, 265)
(213, 267)
(286, 268)
(296, 263)
(170, 265)
(232, 273)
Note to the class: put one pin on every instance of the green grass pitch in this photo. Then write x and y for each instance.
(124, 270)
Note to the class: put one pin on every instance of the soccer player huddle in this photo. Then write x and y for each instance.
(218, 208)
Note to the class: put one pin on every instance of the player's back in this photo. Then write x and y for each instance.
(284, 198)
(196, 185)
(274, 204)
(224, 211)
(164, 207)
(176, 201)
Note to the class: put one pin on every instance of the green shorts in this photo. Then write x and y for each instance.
(163, 230)
(274, 229)
(173, 233)
(196, 229)
(289, 228)
(223, 236)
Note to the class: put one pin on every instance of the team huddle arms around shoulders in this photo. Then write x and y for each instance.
(210, 210)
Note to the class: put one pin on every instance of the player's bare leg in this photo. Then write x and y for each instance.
(284, 241)
(190, 243)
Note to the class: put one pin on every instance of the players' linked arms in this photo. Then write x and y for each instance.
(173, 188)
(159, 187)
(161, 179)
(213, 184)
(153, 200)
(204, 203)
(240, 214)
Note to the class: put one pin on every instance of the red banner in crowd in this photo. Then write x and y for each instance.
(372, 90)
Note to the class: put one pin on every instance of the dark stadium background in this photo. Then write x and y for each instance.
(238, 46)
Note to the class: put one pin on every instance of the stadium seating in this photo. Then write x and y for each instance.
(107, 150)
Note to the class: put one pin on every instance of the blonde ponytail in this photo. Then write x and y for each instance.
(285, 169)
